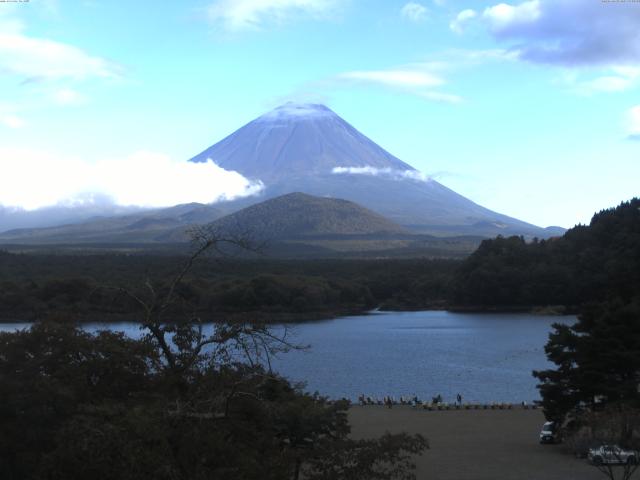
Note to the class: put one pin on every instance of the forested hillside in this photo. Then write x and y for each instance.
(588, 264)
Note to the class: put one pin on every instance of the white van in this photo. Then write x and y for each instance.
(549, 433)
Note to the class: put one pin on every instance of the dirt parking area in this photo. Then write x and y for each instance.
(476, 444)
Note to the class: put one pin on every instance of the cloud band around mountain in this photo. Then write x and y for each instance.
(143, 179)
(383, 172)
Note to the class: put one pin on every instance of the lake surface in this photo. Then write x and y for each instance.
(484, 357)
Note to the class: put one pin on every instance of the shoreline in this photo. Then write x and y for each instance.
(274, 318)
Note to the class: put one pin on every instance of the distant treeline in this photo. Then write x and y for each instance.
(588, 264)
(91, 287)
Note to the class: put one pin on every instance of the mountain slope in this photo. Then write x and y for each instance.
(143, 227)
(297, 140)
(291, 226)
(291, 216)
(308, 148)
(14, 218)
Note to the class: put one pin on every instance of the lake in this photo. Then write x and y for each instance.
(484, 357)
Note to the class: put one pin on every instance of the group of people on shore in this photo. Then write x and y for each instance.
(437, 403)
(389, 401)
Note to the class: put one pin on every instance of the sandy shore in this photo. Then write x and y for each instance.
(476, 444)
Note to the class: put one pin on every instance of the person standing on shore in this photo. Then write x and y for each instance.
(459, 399)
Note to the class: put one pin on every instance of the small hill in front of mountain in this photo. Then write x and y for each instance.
(298, 215)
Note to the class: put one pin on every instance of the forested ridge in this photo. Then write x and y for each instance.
(588, 264)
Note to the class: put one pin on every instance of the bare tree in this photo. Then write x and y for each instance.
(173, 324)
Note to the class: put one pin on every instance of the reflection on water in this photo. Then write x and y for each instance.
(484, 357)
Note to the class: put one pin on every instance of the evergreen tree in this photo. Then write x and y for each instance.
(597, 359)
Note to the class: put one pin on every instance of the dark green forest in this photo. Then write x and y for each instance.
(33, 286)
(590, 263)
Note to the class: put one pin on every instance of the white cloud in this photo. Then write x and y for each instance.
(38, 58)
(454, 59)
(12, 121)
(458, 23)
(598, 42)
(426, 79)
(608, 80)
(384, 172)
(251, 14)
(569, 32)
(419, 79)
(504, 16)
(46, 69)
(396, 78)
(609, 83)
(32, 179)
(628, 71)
(633, 122)
(414, 12)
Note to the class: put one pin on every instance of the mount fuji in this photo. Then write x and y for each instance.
(308, 148)
(325, 185)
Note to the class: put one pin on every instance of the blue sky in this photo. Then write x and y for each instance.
(529, 108)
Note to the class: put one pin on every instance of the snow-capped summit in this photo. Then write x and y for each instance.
(297, 140)
(292, 111)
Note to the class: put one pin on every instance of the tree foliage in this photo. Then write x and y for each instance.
(276, 289)
(597, 360)
(589, 263)
(185, 401)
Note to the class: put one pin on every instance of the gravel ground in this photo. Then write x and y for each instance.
(476, 444)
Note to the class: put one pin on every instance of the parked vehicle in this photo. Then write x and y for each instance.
(550, 433)
(612, 455)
